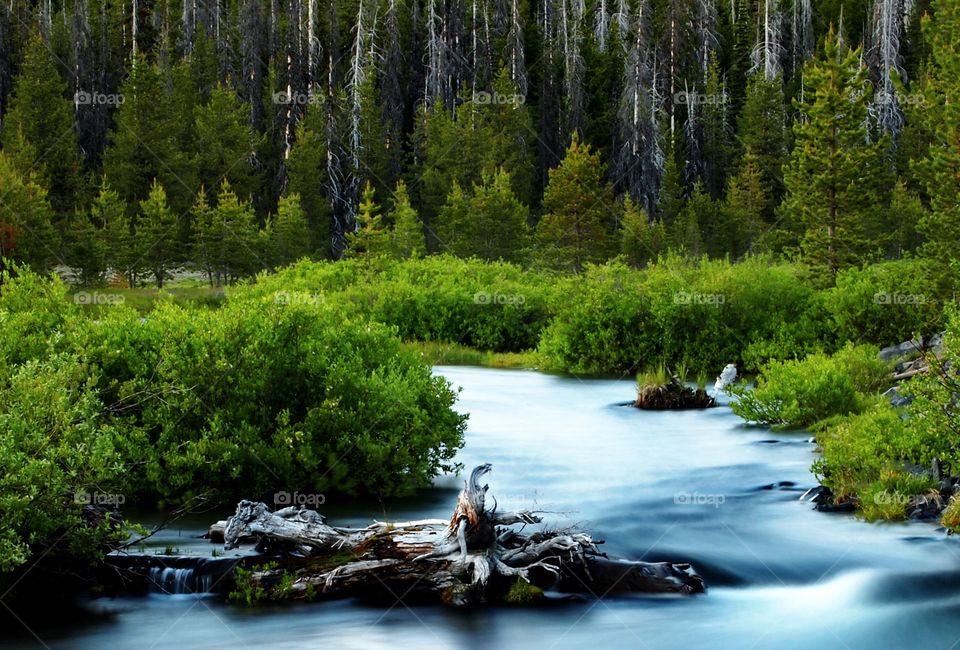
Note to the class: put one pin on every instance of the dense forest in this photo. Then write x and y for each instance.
(240, 135)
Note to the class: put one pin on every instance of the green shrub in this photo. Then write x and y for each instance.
(798, 393)
(260, 396)
(889, 302)
(55, 449)
(486, 305)
(702, 315)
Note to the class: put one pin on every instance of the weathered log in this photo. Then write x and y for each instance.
(475, 557)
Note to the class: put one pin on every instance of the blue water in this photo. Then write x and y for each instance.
(697, 486)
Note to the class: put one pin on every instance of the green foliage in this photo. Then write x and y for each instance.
(406, 238)
(799, 393)
(490, 224)
(889, 302)
(54, 443)
(38, 133)
(306, 167)
(157, 228)
(641, 241)
(289, 232)
(27, 234)
(144, 144)
(578, 203)
(837, 178)
(704, 315)
(490, 306)
(523, 593)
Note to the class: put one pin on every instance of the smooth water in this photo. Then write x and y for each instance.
(696, 486)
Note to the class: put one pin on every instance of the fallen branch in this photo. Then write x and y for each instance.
(473, 558)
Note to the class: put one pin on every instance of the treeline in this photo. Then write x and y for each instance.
(244, 134)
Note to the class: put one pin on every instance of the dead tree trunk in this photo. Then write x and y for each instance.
(475, 557)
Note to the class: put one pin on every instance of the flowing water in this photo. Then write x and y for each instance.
(695, 486)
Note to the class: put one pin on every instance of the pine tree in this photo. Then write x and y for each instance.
(27, 234)
(225, 144)
(641, 241)
(236, 236)
(836, 177)
(407, 238)
(671, 199)
(695, 230)
(578, 204)
(762, 133)
(124, 255)
(743, 228)
(490, 224)
(38, 131)
(371, 236)
(207, 240)
(86, 248)
(144, 142)
(307, 177)
(289, 238)
(941, 166)
(158, 226)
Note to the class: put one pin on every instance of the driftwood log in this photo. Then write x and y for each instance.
(477, 556)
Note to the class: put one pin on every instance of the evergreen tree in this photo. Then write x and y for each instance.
(234, 235)
(225, 144)
(641, 241)
(577, 224)
(289, 238)
(490, 224)
(38, 132)
(27, 234)
(207, 240)
(86, 249)
(407, 238)
(307, 177)
(158, 226)
(835, 178)
(743, 228)
(109, 213)
(144, 142)
(695, 232)
(762, 133)
(671, 199)
(371, 236)
(941, 166)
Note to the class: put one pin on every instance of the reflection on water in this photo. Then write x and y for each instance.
(696, 486)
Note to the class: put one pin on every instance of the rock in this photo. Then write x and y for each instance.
(901, 350)
(825, 501)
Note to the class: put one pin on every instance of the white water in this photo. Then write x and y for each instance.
(696, 486)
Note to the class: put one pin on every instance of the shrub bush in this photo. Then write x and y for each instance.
(798, 393)
(890, 302)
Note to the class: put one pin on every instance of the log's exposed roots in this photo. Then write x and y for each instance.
(475, 557)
